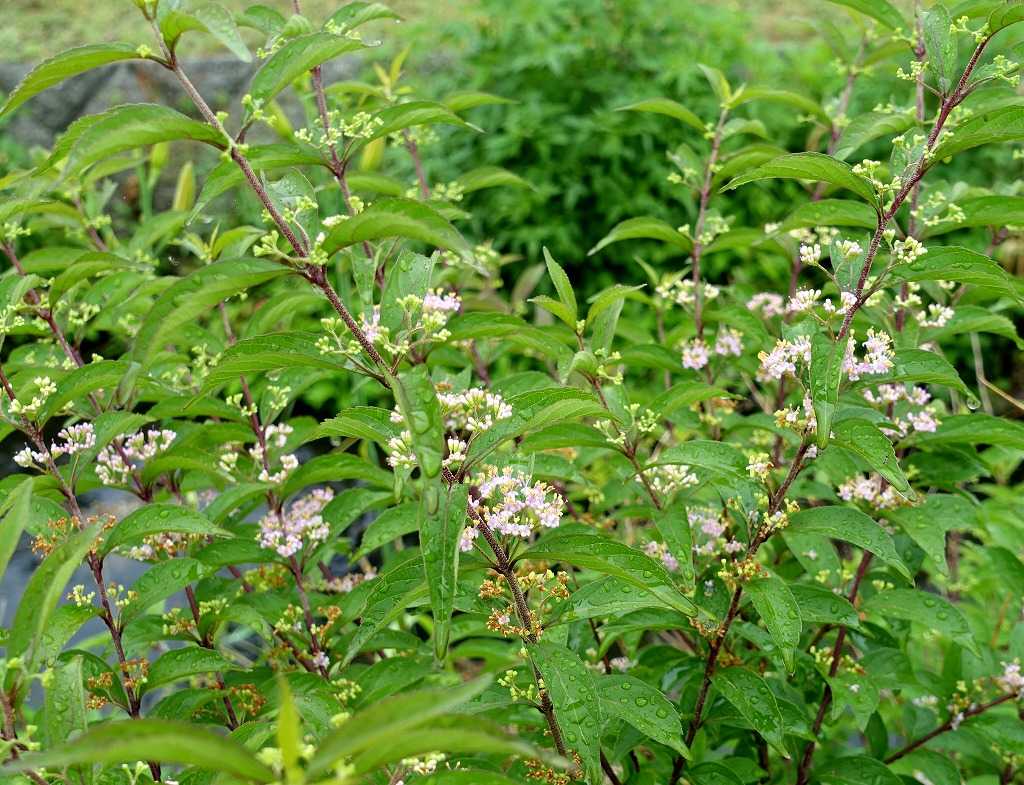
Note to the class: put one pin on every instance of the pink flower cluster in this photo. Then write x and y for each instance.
(781, 361)
(660, 551)
(440, 301)
(878, 356)
(510, 504)
(118, 460)
(70, 441)
(472, 411)
(922, 420)
(301, 524)
(869, 490)
(769, 304)
(1012, 680)
(713, 527)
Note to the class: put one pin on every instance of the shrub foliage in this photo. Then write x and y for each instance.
(390, 522)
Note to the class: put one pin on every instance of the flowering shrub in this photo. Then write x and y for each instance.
(394, 525)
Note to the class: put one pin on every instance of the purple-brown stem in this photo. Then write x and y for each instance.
(886, 215)
(774, 505)
(837, 651)
(951, 724)
(702, 212)
(417, 162)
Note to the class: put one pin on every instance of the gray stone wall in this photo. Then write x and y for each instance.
(222, 81)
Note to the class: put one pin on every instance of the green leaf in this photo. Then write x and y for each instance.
(413, 113)
(83, 381)
(391, 524)
(751, 696)
(850, 525)
(810, 166)
(608, 299)
(593, 552)
(666, 106)
(226, 175)
(135, 125)
(268, 353)
(713, 773)
(566, 294)
(294, 59)
(470, 99)
(159, 582)
(684, 394)
(42, 592)
(716, 458)
(158, 740)
(718, 83)
(556, 308)
(607, 597)
(879, 10)
(457, 735)
(177, 18)
(193, 295)
(674, 527)
(388, 596)
(937, 767)
(395, 217)
(998, 126)
(644, 707)
(940, 44)
(535, 410)
(931, 610)
(927, 524)
(335, 467)
(1006, 14)
(388, 719)
(470, 777)
(417, 401)
(85, 267)
(831, 212)
(289, 731)
(490, 177)
(975, 429)
(573, 691)
(644, 228)
(158, 518)
(857, 691)
(409, 275)
(356, 14)
(65, 65)
(369, 423)
(951, 263)
(179, 664)
(869, 126)
(923, 367)
(64, 709)
(975, 319)
(16, 510)
(864, 440)
(821, 605)
(440, 530)
(981, 211)
(785, 97)
(857, 770)
(826, 374)
(779, 611)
